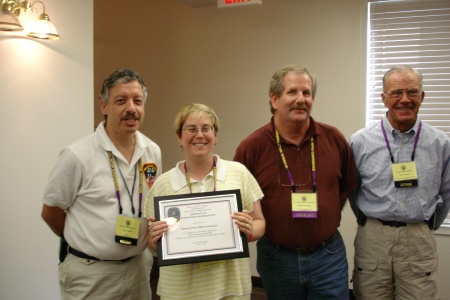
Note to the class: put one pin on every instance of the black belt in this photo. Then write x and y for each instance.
(397, 224)
(392, 223)
(362, 219)
(85, 256)
(305, 250)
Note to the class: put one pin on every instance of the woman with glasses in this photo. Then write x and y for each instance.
(196, 127)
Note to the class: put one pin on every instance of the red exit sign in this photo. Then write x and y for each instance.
(230, 3)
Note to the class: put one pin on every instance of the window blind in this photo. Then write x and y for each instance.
(414, 33)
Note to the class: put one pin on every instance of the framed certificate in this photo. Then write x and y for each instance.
(200, 228)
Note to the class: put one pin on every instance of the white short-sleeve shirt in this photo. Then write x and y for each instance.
(82, 183)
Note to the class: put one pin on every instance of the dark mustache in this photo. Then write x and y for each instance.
(130, 116)
(299, 107)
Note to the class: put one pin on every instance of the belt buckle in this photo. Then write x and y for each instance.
(395, 224)
(398, 224)
(307, 250)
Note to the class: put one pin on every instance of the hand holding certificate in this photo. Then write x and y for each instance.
(200, 227)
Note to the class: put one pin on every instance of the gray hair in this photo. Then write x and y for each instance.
(121, 76)
(276, 83)
(400, 69)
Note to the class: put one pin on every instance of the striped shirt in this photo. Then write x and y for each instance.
(225, 278)
(377, 196)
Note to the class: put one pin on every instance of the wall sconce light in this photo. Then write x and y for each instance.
(13, 13)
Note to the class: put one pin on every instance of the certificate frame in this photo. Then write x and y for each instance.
(203, 219)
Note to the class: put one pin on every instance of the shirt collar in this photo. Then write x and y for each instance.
(313, 130)
(178, 178)
(388, 127)
(106, 143)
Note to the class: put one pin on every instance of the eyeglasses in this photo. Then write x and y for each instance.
(303, 162)
(192, 130)
(410, 93)
(295, 184)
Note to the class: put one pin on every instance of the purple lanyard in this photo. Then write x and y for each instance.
(389, 146)
(283, 158)
(188, 178)
(116, 185)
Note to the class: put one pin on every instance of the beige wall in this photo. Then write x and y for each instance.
(221, 57)
(225, 58)
(46, 92)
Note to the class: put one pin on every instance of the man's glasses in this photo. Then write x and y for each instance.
(410, 93)
(295, 184)
(303, 161)
(192, 130)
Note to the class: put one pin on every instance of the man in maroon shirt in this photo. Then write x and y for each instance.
(306, 170)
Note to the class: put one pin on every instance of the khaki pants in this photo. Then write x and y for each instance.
(109, 280)
(395, 262)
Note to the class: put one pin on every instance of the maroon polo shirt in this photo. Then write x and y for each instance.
(335, 175)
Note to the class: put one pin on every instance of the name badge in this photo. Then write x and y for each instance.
(127, 230)
(405, 174)
(304, 205)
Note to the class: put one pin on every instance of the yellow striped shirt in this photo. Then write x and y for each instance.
(225, 278)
